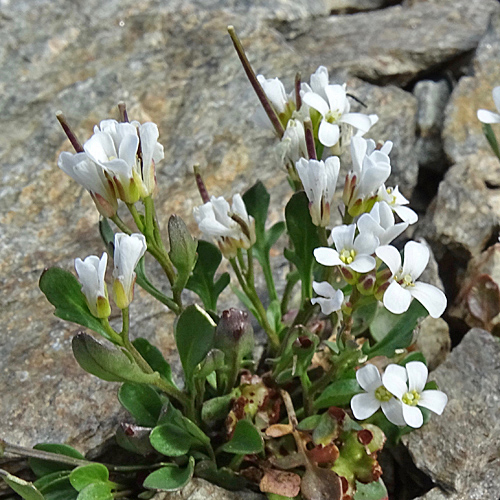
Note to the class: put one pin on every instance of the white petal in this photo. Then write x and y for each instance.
(496, 97)
(393, 410)
(336, 97)
(390, 256)
(362, 263)
(365, 243)
(359, 121)
(485, 116)
(392, 233)
(416, 259)
(367, 223)
(328, 133)
(327, 256)
(316, 101)
(330, 304)
(128, 251)
(319, 80)
(369, 378)
(413, 416)
(396, 298)
(239, 207)
(417, 375)
(324, 288)
(433, 400)
(406, 214)
(364, 405)
(358, 152)
(432, 298)
(343, 236)
(394, 382)
(128, 149)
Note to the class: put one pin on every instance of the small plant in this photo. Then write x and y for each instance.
(308, 419)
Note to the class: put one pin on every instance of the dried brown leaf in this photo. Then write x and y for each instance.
(279, 482)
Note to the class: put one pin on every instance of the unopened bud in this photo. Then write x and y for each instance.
(182, 245)
(366, 284)
(234, 334)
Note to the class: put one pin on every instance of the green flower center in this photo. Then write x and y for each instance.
(332, 116)
(411, 398)
(347, 256)
(405, 281)
(382, 394)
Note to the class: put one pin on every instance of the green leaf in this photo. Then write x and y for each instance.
(134, 438)
(491, 138)
(216, 408)
(96, 491)
(414, 356)
(195, 431)
(339, 393)
(84, 475)
(401, 334)
(304, 236)
(194, 336)
(370, 491)
(107, 235)
(273, 314)
(202, 281)
(23, 488)
(107, 363)
(245, 300)
(63, 291)
(309, 423)
(171, 440)
(155, 359)
(43, 467)
(363, 315)
(224, 477)
(170, 478)
(48, 479)
(246, 440)
(383, 322)
(274, 232)
(59, 489)
(142, 401)
(257, 204)
(213, 361)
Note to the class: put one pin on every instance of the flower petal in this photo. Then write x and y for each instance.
(369, 378)
(416, 259)
(394, 380)
(433, 400)
(413, 416)
(336, 97)
(496, 97)
(316, 101)
(406, 214)
(396, 298)
(343, 236)
(363, 263)
(327, 256)
(485, 116)
(364, 405)
(390, 256)
(328, 133)
(324, 288)
(432, 298)
(393, 410)
(358, 120)
(417, 375)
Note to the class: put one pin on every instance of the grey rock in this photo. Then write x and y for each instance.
(434, 341)
(350, 6)
(398, 43)
(199, 489)
(462, 133)
(465, 213)
(432, 97)
(452, 448)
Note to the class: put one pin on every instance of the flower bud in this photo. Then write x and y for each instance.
(182, 245)
(366, 284)
(234, 335)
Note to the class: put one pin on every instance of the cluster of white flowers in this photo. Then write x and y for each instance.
(399, 393)
(117, 162)
(91, 273)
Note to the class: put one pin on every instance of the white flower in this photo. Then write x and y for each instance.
(329, 299)
(413, 395)
(377, 396)
(293, 143)
(380, 222)
(232, 227)
(115, 147)
(90, 176)
(352, 253)
(370, 169)
(486, 116)
(403, 285)
(317, 83)
(334, 108)
(91, 273)
(319, 180)
(283, 104)
(396, 200)
(128, 251)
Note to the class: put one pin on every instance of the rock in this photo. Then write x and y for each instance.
(465, 213)
(350, 6)
(398, 43)
(434, 341)
(432, 97)
(459, 450)
(462, 133)
(199, 489)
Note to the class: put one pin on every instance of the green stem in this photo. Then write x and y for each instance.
(114, 336)
(323, 238)
(268, 276)
(291, 280)
(121, 225)
(306, 395)
(136, 216)
(252, 295)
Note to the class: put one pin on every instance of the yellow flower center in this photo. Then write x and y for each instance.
(347, 256)
(411, 398)
(382, 394)
(332, 116)
(405, 281)
(393, 197)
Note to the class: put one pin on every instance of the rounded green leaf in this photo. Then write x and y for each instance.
(339, 393)
(170, 478)
(56, 486)
(170, 440)
(96, 491)
(43, 467)
(246, 440)
(142, 401)
(84, 475)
